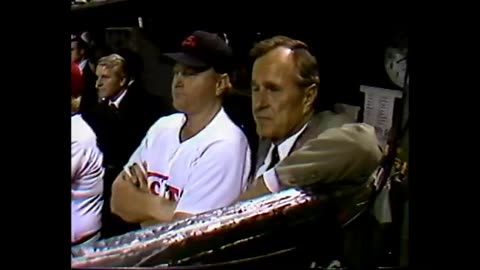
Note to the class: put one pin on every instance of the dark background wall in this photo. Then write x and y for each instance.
(350, 49)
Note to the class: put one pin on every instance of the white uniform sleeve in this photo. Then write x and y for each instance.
(87, 184)
(77, 158)
(87, 169)
(217, 177)
(86, 161)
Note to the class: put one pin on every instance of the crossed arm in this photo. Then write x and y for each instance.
(216, 184)
(133, 202)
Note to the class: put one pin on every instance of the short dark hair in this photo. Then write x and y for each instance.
(81, 44)
(305, 62)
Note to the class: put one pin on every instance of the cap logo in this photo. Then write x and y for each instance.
(190, 41)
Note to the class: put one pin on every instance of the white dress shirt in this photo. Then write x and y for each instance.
(270, 177)
(83, 64)
(117, 100)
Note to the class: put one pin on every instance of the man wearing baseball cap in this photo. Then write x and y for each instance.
(192, 161)
(203, 50)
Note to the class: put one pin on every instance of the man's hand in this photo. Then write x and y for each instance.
(137, 175)
(127, 199)
(133, 202)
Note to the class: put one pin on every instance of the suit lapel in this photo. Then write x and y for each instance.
(318, 124)
(263, 147)
(127, 101)
(310, 132)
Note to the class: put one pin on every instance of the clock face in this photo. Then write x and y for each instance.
(396, 65)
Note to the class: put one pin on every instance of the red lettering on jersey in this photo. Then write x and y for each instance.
(159, 187)
(156, 184)
(154, 187)
(173, 193)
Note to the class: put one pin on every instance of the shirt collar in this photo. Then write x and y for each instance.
(82, 64)
(285, 147)
(118, 99)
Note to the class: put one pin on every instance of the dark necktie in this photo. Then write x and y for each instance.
(113, 106)
(275, 158)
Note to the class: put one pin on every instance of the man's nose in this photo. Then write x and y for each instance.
(178, 80)
(259, 100)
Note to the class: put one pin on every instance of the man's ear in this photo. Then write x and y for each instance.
(75, 103)
(310, 96)
(124, 82)
(223, 85)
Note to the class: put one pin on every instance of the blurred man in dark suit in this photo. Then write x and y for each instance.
(121, 118)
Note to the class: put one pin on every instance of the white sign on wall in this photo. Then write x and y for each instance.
(378, 109)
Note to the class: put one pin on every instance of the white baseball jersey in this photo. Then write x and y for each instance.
(87, 180)
(205, 172)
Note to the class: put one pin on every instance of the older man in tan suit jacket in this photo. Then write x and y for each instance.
(299, 147)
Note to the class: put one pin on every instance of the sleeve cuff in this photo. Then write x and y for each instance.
(271, 180)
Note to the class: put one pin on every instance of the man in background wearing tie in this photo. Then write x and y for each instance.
(124, 113)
